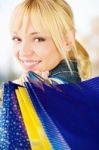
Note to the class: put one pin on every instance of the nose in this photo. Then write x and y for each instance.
(25, 49)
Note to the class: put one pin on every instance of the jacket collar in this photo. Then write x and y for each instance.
(62, 71)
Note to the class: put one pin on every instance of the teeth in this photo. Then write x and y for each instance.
(28, 63)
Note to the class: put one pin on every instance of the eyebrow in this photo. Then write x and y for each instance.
(34, 33)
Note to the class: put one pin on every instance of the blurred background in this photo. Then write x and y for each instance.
(86, 17)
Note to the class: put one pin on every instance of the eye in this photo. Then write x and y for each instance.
(39, 39)
(16, 39)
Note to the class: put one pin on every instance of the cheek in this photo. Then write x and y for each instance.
(44, 53)
(15, 51)
(43, 50)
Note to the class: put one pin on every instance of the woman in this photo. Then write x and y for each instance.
(43, 36)
(44, 42)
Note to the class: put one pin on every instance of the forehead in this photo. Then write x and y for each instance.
(29, 30)
(29, 24)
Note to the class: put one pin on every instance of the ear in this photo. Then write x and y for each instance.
(70, 40)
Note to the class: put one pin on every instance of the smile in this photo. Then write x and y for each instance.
(30, 63)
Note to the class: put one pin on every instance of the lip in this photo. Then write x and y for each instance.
(30, 64)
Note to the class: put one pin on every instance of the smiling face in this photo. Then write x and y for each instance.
(34, 50)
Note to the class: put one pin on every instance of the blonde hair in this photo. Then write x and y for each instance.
(55, 17)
